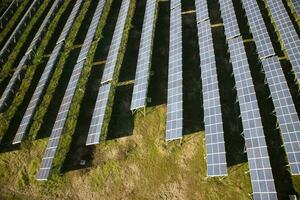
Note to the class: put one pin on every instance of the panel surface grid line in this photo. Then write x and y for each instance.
(174, 123)
(18, 30)
(229, 19)
(70, 21)
(98, 115)
(24, 62)
(258, 29)
(63, 110)
(139, 94)
(285, 111)
(37, 95)
(214, 133)
(262, 181)
(201, 10)
(115, 46)
(288, 34)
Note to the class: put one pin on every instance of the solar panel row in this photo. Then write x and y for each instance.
(258, 28)
(115, 46)
(9, 12)
(214, 133)
(259, 163)
(229, 19)
(43, 28)
(65, 105)
(288, 34)
(140, 88)
(201, 10)
(285, 111)
(174, 124)
(103, 93)
(38, 93)
(10, 43)
(26, 60)
(70, 21)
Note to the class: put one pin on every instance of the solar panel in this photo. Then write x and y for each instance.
(12, 85)
(214, 133)
(17, 76)
(175, 102)
(144, 58)
(43, 28)
(70, 21)
(259, 163)
(229, 19)
(296, 5)
(9, 12)
(286, 112)
(201, 10)
(258, 28)
(115, 46)
(65, 106)
(10, 43)
(98, 115)
(38, 93)
(287, 33)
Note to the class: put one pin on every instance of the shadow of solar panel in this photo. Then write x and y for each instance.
(139, 94)
(174, 124)
(285, 111)
(287, 33)
(65, 106)
(262, 181)
(98, 115)
(214, 133)
(115, 46)
(229, 19)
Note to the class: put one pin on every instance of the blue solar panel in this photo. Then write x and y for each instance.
(201, 10)
(175, 91)
(214, 133)
(144, 58)
(285, 110)
(115, 46)
(65, 105)
(287, 33)
(296, 5)
(262, 181)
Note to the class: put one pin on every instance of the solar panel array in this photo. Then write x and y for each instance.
(214, 133)
(140, 88)
(17, 76)
(175, 90)
(258, 28)
(38, 93)
(115, 46)
(10, 43)
(67, 28)
(296, 4)
(229, 18)
(43, 28)
(40, 89)
(259, 163)
(98, 115)
(66, 103)
(287, 33)
(103, 93)
(285, 111)
(201, 10)
(9, 12)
